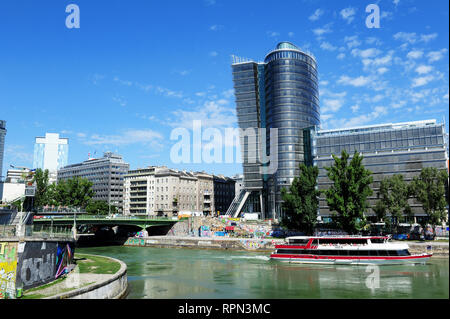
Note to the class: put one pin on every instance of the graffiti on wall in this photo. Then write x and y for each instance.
(253, 244)
(135, 242)
(64, 256)
(8, 269)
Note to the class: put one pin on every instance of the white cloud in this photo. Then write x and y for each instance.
(397, 105)
(325, 29)
(340, 56)
(352, 41)
(424, 69)
(396, 2)
(273, 34)
(434, 56)
(355, 108)
(423, 80)
(211, 113)
(316, 15)
(373, 40)
(359, 120)
(382, 70)
(332, 105)
(428, 37)
(367, 53)
(348, 14)
(120, 100)
(291, 34)
(414, 54)
(213, 53)
(323, 82)
(144, 136)
(216, 27)
(406, 37)
(357, 82)
(328, 46)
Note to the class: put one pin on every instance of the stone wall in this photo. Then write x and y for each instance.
(253, 244)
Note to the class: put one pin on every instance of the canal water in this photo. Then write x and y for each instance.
(223, 274)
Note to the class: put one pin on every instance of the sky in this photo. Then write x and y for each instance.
(134, 71)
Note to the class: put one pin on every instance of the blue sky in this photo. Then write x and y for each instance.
(135, 70)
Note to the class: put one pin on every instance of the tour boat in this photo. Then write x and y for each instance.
(348, 250)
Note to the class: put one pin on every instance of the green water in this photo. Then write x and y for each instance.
(214, 274)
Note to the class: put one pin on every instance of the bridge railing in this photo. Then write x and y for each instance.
(7, 231)
(51, 231)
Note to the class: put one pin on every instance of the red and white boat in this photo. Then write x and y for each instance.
(348, 250)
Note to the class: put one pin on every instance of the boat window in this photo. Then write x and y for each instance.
(363, 253)
(343, 241)
(373, 253)
(403, 252)
(383, 253)
(377, 240)
(315, 242)
(392, 252)
(343, 253)
(299, 241)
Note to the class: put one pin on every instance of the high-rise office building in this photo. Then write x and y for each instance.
(51, 152)
(106, 174)
(280, 93)
(2, 145)
(387, 149)
(2, 149)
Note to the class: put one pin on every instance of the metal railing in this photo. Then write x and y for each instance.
(51, 231)
(7, 231)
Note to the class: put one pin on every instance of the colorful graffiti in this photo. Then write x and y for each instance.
(8, 269)
(254, 245)
(135, 242)
(64, 256)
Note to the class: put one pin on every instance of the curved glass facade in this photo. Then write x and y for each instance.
(292, 105)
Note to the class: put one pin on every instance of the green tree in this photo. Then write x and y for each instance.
(394, 193)
(301, 201)
(40, 178)
(347, 196)
(74, 192)
(100, 207)
(429, 188)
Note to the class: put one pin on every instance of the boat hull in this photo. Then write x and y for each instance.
(414, 259)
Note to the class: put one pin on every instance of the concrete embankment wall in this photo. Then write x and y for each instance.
(114, 287)
(30, 262)
(202, 242)
(438, 248)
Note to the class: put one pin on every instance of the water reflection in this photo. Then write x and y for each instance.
(189, 273)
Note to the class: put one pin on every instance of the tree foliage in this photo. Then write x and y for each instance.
(429, 188)
(301, 201)
(347, 196)
(75, 192)
(99, 207)
(393, 193)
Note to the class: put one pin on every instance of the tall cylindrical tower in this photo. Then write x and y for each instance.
(292, 105)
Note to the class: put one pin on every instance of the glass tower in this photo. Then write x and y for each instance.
(2, 146)
(280, 93)
(51, 152)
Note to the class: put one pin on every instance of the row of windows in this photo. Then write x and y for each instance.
(293, 62)
(301, 122)
(382, 135)
(289, 55)
(321, 252)
(276, 78)
(294, 70)
(378, 146)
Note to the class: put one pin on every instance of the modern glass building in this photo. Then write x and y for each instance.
(2, 146)
(2, 150)
(280, 93)
(51, 152)
(387, 149)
